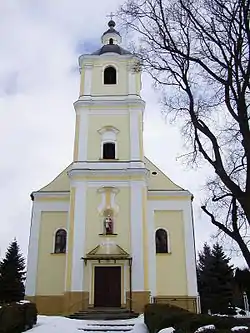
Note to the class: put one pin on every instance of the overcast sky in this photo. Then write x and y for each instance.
(40, 42)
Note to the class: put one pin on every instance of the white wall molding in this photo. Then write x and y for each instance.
(83, 137)
(136, 234)
(77, 269)
(30, 286)
(125, 101)
(61, 196)
(87, 79)
(134, 136)
(177, 193)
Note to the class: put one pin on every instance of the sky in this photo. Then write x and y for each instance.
(40, 42)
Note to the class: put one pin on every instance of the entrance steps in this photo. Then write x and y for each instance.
(104, 314)
(108, 327)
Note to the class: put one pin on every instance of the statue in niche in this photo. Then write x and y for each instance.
(108, 224)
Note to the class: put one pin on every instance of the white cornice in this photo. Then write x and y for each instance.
(169, 193)
(130, 101)
(107, 165)
(60, 195)
(91, 58)
(104, 173)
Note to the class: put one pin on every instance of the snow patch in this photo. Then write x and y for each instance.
(205, 328)
(239, 328)
(140, 327)
(167, 330)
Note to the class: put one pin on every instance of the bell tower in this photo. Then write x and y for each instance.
(109, 110)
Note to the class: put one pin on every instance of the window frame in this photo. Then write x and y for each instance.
(168, 241)
(117, 76)
(54, 241)
(102, 150)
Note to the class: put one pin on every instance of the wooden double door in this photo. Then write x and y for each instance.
(107, 286)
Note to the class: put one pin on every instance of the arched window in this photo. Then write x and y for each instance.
(111, 41)
(161, 241)
(108, 151)
(60, 241)
(110, 75)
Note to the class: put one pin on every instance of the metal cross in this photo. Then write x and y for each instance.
(111, 15)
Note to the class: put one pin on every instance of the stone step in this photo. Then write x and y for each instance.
(104, 329)
(111, 324)
(103, 316)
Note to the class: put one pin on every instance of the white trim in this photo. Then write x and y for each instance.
(131, 83)
(190, 251)
(54, 238)
(60, 195)
(151, 251)
(30, 286)
(105, 173)
(109, 141)
(126, 101)
(117, 74)
(136, 227)
(90, 58)
(83, 137)
(100, 165)
(87, 79)
(108, 183)
(175, 193)
(77, 269)
(135, 153)
(168, 239)
(185, 206)
(106, 129)
(51, 206)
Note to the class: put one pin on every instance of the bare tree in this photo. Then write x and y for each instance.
(197, 51)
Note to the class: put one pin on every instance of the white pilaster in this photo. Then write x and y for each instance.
(77, 282)
(151, 251)
(136, 232)
(30, 286)
(134, 135)
(83, 137)
(190, 250)
(131, 83)
(87, 79)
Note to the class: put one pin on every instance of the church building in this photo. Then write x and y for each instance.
(111, 230)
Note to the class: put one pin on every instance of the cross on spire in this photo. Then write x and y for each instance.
(111, 15)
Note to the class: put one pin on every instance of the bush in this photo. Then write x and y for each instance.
(159, 316)
(17, 317)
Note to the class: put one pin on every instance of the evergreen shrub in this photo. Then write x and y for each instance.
(159, 316)
(17, 317)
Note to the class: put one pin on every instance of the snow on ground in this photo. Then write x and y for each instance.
(204, 328)
(239, 328)
(51, 324)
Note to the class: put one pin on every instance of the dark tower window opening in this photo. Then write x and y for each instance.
(110, 75)
(60, 241)
(111, 41)
(109, 151)
(161, 241)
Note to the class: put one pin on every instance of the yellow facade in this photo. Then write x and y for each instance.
(110, 207)
(51, 268)
(172, 281)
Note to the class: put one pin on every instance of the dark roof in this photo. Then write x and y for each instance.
(111, 48)
(111, 29)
